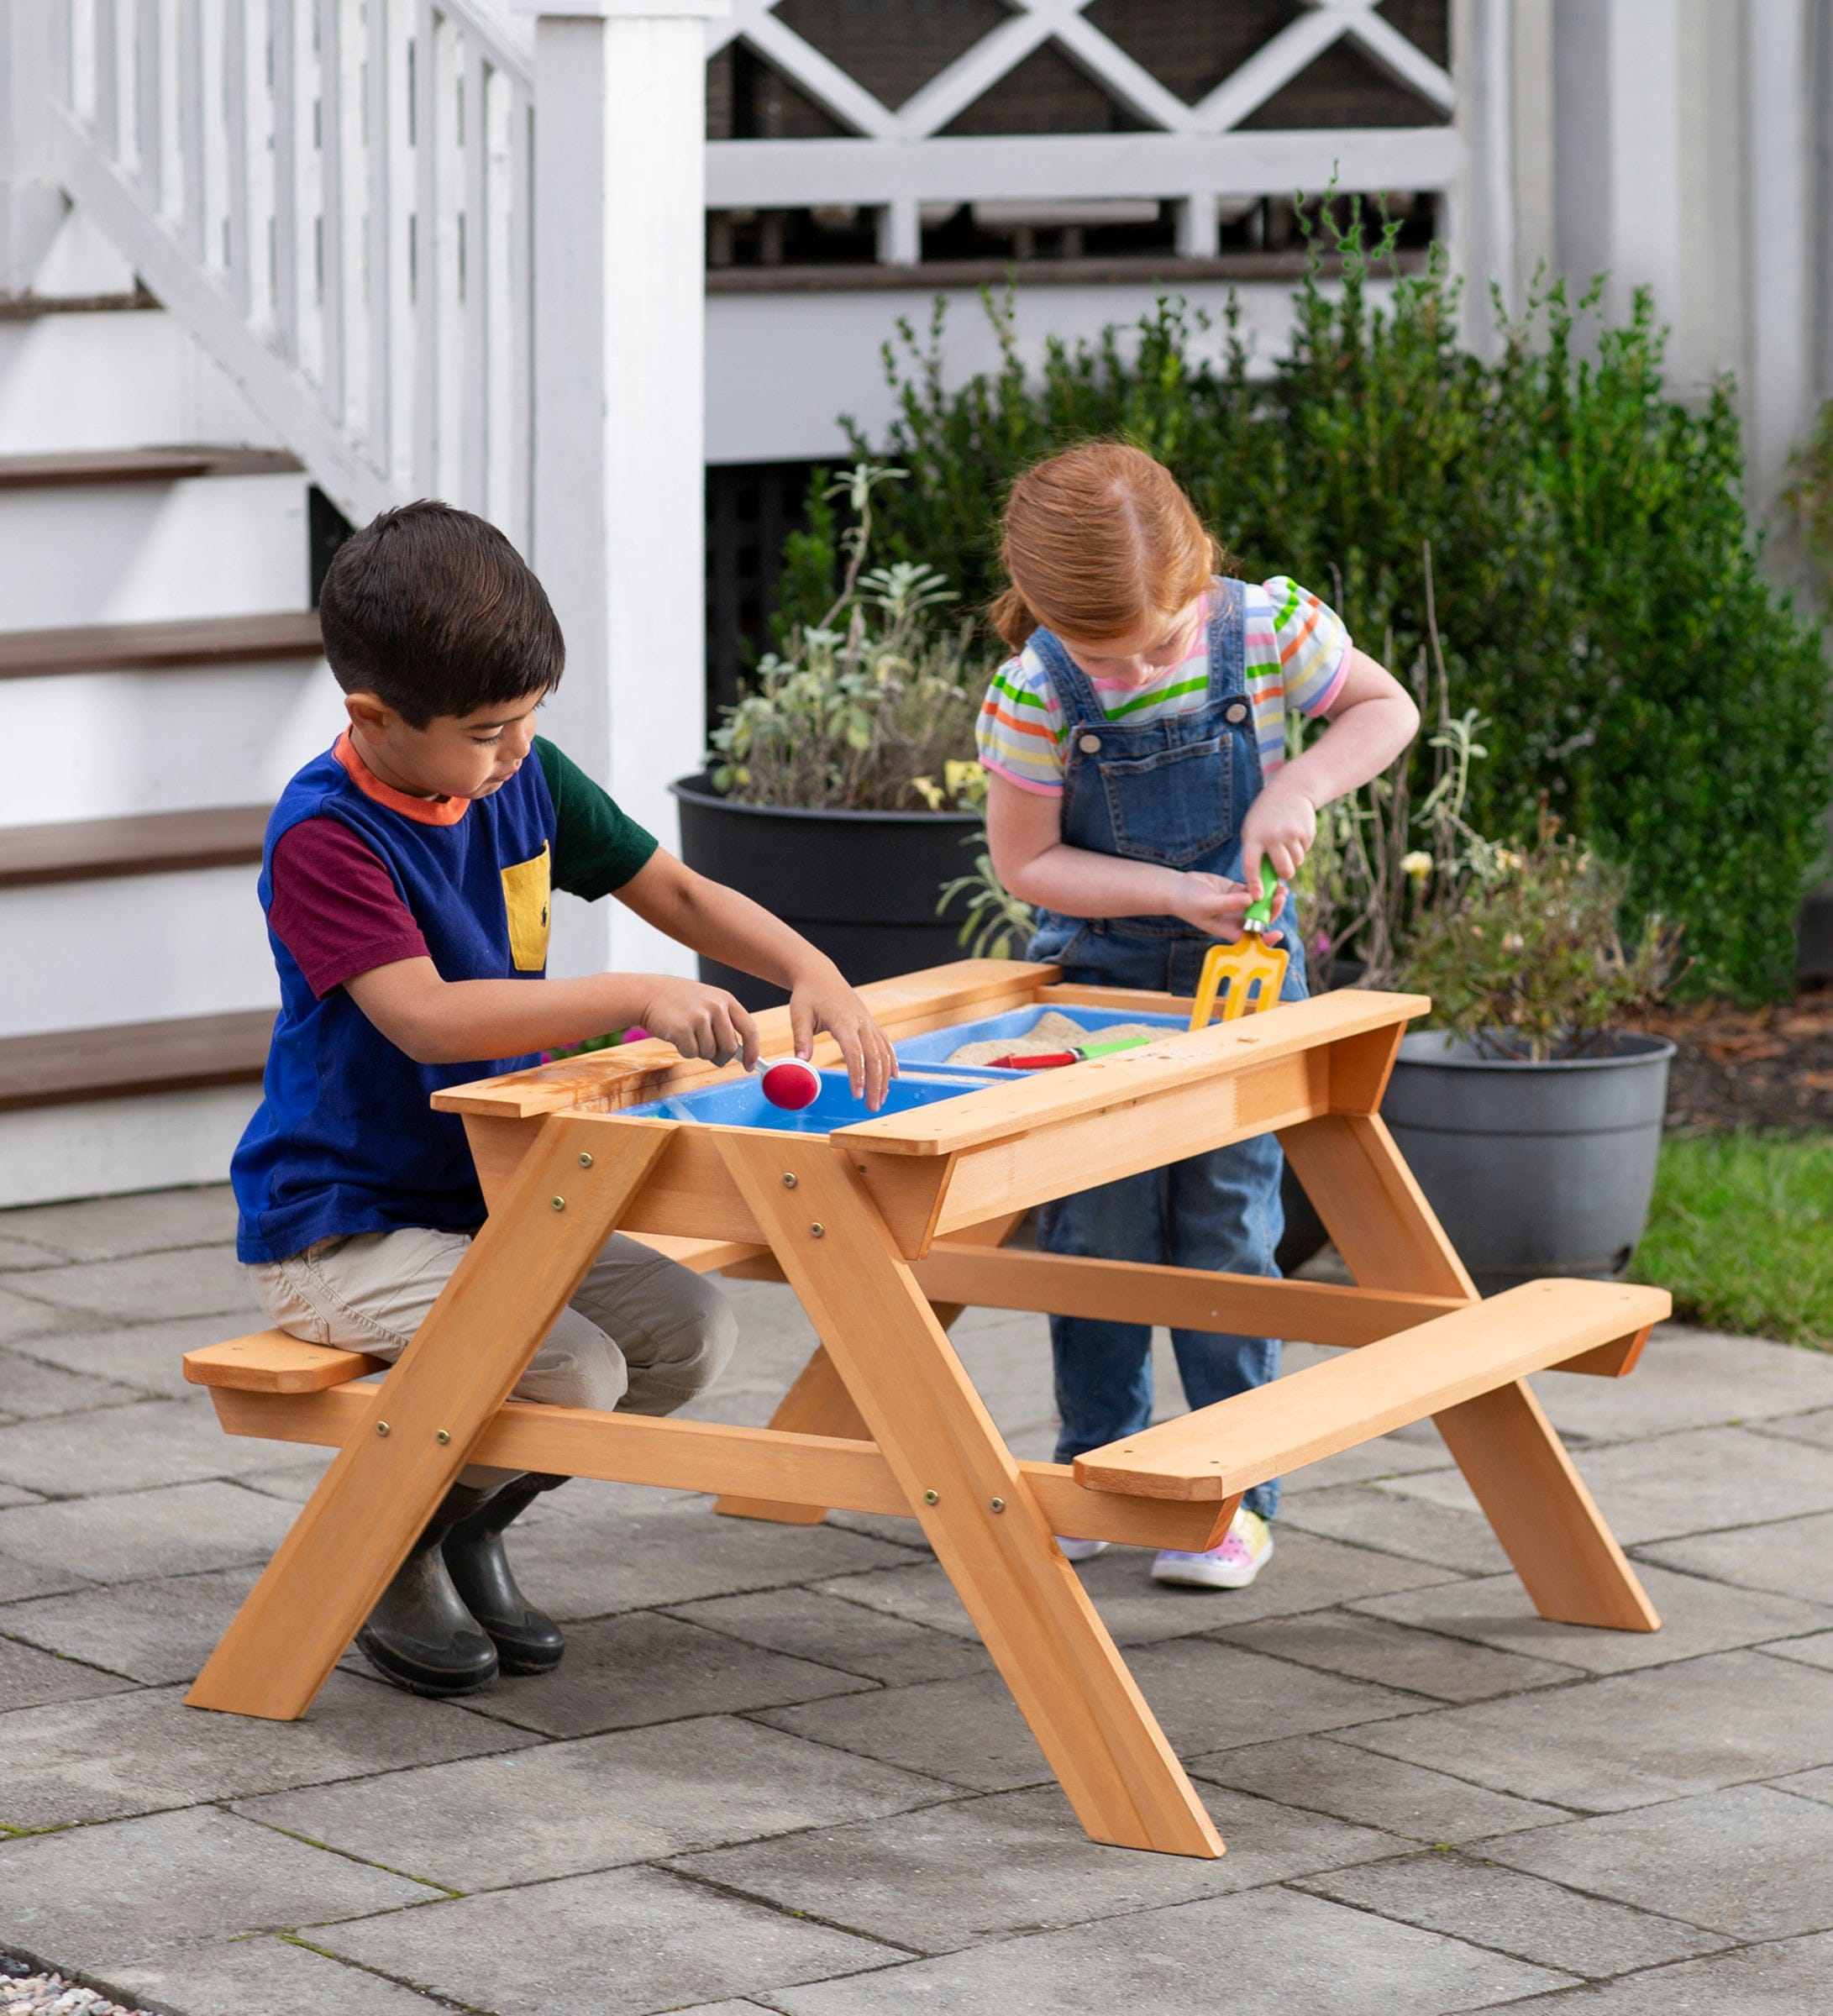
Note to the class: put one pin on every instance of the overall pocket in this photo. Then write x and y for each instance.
(1172, 808)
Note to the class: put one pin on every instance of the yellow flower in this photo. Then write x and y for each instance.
(1416, 865)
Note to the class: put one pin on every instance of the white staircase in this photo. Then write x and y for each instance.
(247, 246)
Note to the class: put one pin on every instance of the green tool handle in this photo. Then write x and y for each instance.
(1258, 918)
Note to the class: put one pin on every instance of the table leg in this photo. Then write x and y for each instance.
(1069, 1681)
(381, 1488)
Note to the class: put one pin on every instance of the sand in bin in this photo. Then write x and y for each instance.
(1051, 1032)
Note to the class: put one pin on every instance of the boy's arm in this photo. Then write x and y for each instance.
(440, 1022)
(734, 930)
(1372, 719)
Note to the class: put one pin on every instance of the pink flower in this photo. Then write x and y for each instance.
(636, 1033)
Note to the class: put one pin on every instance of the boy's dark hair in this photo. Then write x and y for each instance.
(434, 612)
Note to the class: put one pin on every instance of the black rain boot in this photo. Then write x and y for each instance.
(421, 1635)
(528, 1641)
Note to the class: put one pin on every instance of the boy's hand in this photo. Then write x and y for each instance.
(1280, 826)
(1214, 904)
(823, 1001)
(700, 1021)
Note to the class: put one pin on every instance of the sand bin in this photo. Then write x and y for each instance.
(1051, 1032)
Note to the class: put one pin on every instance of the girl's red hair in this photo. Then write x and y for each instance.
(1099, 543)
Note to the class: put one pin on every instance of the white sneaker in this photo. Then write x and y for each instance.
(1081, 1549)
(1245, 1549)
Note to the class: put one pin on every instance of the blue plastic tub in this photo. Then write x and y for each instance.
(740, 1102)
(936, 1046)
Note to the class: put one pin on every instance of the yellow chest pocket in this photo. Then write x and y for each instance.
(526, 893)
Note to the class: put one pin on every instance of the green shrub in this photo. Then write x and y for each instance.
(1599, 588)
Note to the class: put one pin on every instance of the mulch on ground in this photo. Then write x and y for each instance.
(1767, 1068)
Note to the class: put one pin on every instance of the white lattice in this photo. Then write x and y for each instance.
(1194, 152)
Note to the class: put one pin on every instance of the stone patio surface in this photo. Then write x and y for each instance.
(776, 1772)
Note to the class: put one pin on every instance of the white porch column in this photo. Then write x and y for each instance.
(1484, 225)
(31, 204)
(619, 477)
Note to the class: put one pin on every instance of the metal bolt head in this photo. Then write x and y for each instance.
(443, 1435)
(818, 1230)
(559, 1203)
(381, 1427)
(584, 1161)
(932, 1497)
(999, 1504)
(789, 1179)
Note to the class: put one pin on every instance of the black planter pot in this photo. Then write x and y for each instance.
(861, 885)
(1533, 1169)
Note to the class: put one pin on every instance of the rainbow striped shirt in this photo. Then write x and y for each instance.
(1296, 652)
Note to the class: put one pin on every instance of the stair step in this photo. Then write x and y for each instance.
(142, 465)
(66, 1067)
(153, 647)
(138, 843)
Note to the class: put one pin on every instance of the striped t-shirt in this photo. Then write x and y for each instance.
(1296, 652)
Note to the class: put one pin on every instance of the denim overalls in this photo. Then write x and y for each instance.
(1173, 792)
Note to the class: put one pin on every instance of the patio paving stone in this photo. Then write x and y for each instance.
(1788, 1978)
(144, 1751)
(1697, 1616)
(148, 1356)
(1791, 1557)
(623, 1671)
(1370, 1648)
(30, 1390)
(1263, 1953)
(192, 1281)
(176, 1530)
(1688, 1378)
(30, 1678)
(620, 1944)
(24, 1317)
(673, 1550)
(1817, 1651)
(1373, 1515)
(1323, 1775)
(807, 1624)
(130, 1448)
(1749, 1862)
(1630, 1739)
(566, 1808)
(265, 1976)
(107, 1228)
(951, 1875)
(1816, 1427)
(98, 1897)
(155, 1632)
(1516, 1914)
(1672, 1485)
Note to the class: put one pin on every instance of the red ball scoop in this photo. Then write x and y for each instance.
(792, 1084)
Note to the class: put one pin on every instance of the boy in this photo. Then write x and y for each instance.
(406, 882)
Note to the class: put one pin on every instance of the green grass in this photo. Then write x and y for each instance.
(1741, 1231)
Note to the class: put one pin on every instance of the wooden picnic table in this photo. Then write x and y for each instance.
(885, 1228)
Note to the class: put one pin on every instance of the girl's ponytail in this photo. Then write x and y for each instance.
(1099, 543)
(1013, 617)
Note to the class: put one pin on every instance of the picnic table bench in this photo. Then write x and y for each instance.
(885, 1228)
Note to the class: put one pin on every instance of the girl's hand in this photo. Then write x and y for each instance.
(1280, 826)
(1215, 905)
(700, 1021)
(825, 1001)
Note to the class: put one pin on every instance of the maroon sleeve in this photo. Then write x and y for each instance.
(335, 908)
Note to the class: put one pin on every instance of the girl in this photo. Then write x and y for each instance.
(1136, 753)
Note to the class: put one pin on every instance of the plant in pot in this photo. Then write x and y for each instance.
(1530, 1111)
(838, 792)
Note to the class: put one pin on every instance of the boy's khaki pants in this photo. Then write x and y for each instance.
(643, 1333)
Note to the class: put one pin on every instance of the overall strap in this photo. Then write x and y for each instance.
(1075, 692)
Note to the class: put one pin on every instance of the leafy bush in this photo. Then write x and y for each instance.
(1811, 496)
(876, 715)
(1596, 574)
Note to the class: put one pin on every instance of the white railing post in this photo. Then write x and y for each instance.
(618, 396)
(31, 204)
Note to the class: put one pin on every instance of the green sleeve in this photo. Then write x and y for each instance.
(597, 848)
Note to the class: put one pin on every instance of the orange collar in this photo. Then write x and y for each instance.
(424, 812)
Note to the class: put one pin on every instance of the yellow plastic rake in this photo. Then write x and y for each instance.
(1233, 970)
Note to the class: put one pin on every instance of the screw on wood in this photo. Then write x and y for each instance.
(789, 1179)
(932, 1497)
(381, 1427)
(443, 1435)
(818, 1230)
(999, 1504)
(584, 1161)
(560, 1204)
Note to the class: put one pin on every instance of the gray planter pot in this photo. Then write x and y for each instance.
(1533, 1169)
